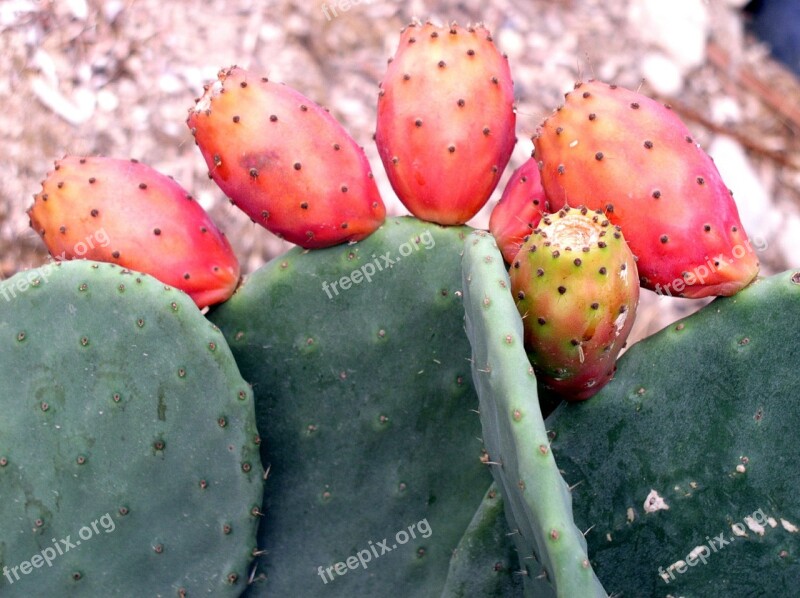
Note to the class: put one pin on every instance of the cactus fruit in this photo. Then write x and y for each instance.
(485, 562)
(365, 400)
(519, 210)
(577, 290)
(685, 465)
(285, 161)
(616, 150)
(445, 128)
(537, 502)
(127, 213)
(129, 462)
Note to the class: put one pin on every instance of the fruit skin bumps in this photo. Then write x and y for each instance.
(285, 161)
(619, 151)
(577, 289)
(127, 213)
(445, 127)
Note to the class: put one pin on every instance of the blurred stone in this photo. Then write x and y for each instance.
(512, 42)
(662, 74)
(725, 110)
(75, 110)
(78, 9)
(13, 11)
(679, 27)
(170, 84)
(112, 9)
(789, 241)
(107, 100)
(46, 66)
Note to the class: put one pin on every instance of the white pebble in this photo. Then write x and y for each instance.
(679, 27)
(662, 74)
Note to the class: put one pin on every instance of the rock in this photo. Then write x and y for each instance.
(662, 74)
(107, 100)
(78, 9)
(725, 110)
(170, 84)
(789, 241)
(75, 110)
(679, 27)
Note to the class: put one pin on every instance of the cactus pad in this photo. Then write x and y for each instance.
(365, 402)
(537, 501)
(485, 562)
(128, 457)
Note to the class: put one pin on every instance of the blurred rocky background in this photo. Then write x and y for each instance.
(117, 77)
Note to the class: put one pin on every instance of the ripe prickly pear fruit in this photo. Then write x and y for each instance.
(616, 150)
(285, 161)
(577, 289)
(127, 213)
(446, 120)
(519, 210)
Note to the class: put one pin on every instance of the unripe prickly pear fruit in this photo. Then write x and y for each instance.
(577, 289)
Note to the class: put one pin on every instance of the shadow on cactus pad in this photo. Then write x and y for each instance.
(686, 464)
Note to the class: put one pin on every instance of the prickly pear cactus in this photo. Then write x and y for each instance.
(686, 463)
(537, 501)
(128, 449)
(485, 561)
(359, 363)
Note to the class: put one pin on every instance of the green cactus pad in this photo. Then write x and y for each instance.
(485, 562)
(365, 402)
(537, 501)
(703, 416)
(128, 456)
